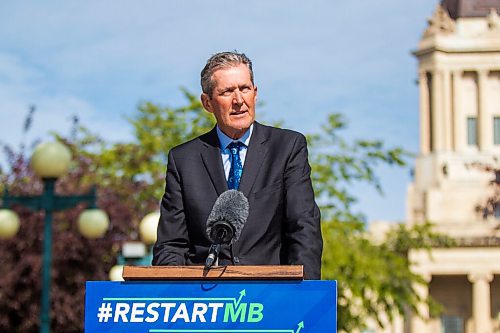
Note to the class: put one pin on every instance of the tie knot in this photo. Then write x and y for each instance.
(235, 147)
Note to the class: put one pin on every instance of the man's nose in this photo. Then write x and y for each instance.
(238, 97)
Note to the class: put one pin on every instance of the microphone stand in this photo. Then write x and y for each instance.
(213, 254)
(213, 251)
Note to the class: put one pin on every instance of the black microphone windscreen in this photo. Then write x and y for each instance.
(231, 206)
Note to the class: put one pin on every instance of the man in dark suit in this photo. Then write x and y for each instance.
(268, 165)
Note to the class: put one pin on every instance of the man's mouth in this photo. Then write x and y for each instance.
(237, 113)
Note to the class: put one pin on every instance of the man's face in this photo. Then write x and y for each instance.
(233, 100)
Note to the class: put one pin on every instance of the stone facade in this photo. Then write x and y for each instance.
(459, 84)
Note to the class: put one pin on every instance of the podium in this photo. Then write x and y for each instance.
(226, 299)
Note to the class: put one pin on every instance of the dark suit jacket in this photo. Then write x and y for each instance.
(283, 226)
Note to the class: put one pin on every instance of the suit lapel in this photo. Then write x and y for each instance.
(212, 160)
(256, 153)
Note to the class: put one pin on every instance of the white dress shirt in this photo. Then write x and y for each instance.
(224, 141)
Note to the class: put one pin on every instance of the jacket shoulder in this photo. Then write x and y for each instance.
(275, 133)
(192, 145)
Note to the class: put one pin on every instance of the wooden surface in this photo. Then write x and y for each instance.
(183, 273)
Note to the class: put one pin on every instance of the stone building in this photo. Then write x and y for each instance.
(459, 82)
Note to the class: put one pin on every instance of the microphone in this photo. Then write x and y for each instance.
(225, 222)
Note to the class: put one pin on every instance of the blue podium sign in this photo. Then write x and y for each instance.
(211, 307)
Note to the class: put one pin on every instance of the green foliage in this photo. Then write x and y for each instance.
(401, 239)
(75, 259)
(490, 207)
(372, 280)
(156, 129)
(143, 161)
(130, 180)
(337, 164)
(373, 277)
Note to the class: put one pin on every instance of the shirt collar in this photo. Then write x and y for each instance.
(225, 140)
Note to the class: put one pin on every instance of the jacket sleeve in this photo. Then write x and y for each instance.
(172, 242)
(302, 232)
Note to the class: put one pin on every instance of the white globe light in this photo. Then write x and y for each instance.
(148, 228)
(50, 160)
(116, 272)
(93, 223)
(9, 223)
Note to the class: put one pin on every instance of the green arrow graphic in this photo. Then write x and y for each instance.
(301, 326)
(242, 293)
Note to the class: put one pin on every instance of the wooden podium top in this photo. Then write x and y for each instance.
(189, 273)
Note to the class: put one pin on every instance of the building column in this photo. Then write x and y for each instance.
(420, 322)
(438, 134)
(446, 100)
(481, 307)
(458, 131)
(484, 123)
(424, 113)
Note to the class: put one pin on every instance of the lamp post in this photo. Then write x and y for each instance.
(137, 253)
(50, 161)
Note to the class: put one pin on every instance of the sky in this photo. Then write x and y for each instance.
(99, 59)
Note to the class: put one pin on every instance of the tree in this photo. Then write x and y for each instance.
(374, 280)
(372, 277)
(130, 181)
(491, 206)
(143, 161)
(75, 259)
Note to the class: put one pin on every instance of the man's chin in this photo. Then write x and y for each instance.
(246, 126)
(241, 124)
(237, 129)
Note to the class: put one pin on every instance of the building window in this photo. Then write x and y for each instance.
(452, 324)
(496, 130)
(472, 131)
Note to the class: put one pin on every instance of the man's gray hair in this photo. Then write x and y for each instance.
(222, 60)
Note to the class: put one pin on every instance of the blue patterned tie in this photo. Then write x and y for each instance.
(233, 181)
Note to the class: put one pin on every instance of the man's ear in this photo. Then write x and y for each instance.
(205, 100)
